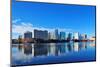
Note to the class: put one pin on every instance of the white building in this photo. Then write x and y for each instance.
(83, 36)
(54, 34)
(76, 36)
(51, 35)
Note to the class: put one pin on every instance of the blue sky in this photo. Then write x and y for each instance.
(70, 17)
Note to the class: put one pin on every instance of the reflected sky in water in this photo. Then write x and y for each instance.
(44, 53)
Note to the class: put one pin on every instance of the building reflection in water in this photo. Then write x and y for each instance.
(27, 49)
(36, 49)
(51, 49)
(56, 49)
(60, 48)
(79, 46)
(70, 46)
(84, 45)
(40, 49)
(92, 44)
(20, 47)
(76, 46)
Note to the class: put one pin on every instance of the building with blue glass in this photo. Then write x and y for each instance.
(56, 34)
(27, 34)
(62, 36)
(69, 36)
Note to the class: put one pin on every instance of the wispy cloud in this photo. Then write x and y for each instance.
(19, 29)
(16, 20)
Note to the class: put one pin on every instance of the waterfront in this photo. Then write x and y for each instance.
(44, 53)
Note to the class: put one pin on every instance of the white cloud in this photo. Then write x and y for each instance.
(16, 20)
(19, 29)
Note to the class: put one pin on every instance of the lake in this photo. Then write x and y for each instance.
(47, 53)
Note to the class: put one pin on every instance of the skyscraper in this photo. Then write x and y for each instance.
(62, 35)
(51, 35)
(69, 36)
(20, 38)
(56, 34)
(28, 36)
(76, 36)
(40, 34)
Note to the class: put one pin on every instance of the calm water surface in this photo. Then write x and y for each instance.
(44, 53)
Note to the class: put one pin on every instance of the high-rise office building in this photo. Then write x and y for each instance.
(28, 36)
(51, 35)
(40, 34)
(69, 36)
(20, 38)
(76, 36)
(83, 37)
(56, 34)
(62, 36)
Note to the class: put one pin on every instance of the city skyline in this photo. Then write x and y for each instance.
(44, 36)
(66, 31)
(54, 33)
(52, 16)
